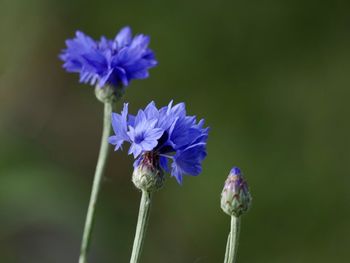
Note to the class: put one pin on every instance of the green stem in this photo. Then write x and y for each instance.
(227, 253)
(142, 221)
(100, 168)
(234, 236)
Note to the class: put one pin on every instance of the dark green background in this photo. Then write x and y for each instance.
(271, 78)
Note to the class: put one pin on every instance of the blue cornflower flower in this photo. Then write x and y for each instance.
(109, 62)
(158, 136)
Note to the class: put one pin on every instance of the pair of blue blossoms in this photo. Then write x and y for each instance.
(166, 137)
(163, 139)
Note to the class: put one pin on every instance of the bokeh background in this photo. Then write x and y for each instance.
(271, 78)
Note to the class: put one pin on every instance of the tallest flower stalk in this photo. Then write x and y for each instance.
(109, 65)
(96, 187)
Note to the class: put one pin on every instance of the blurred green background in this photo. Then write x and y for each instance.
(271, 78)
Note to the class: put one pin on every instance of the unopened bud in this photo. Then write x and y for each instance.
(235, 197)
(148, 176)
(108, 93)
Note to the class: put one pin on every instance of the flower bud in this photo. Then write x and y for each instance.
(235, 197)
(108, 93)
(148, 176)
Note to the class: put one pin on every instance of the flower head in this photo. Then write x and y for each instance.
(165, 134)
(235, 197)
(109, 62)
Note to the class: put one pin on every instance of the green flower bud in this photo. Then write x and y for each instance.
(148, 176)
(108, 94)
(235, 197)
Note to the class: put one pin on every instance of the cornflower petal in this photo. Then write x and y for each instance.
(109, 62)
(167, 136)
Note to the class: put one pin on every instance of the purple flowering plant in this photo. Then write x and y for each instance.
(169, 136)
(112, 62)
(160, 139)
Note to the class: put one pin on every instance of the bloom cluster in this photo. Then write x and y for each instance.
(163, 134)
(109, 62)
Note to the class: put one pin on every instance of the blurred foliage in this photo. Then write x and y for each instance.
(271, 78)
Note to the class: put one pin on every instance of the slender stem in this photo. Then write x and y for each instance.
(100, 168)
(227, 253)
(142, 221)
(234, 236)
